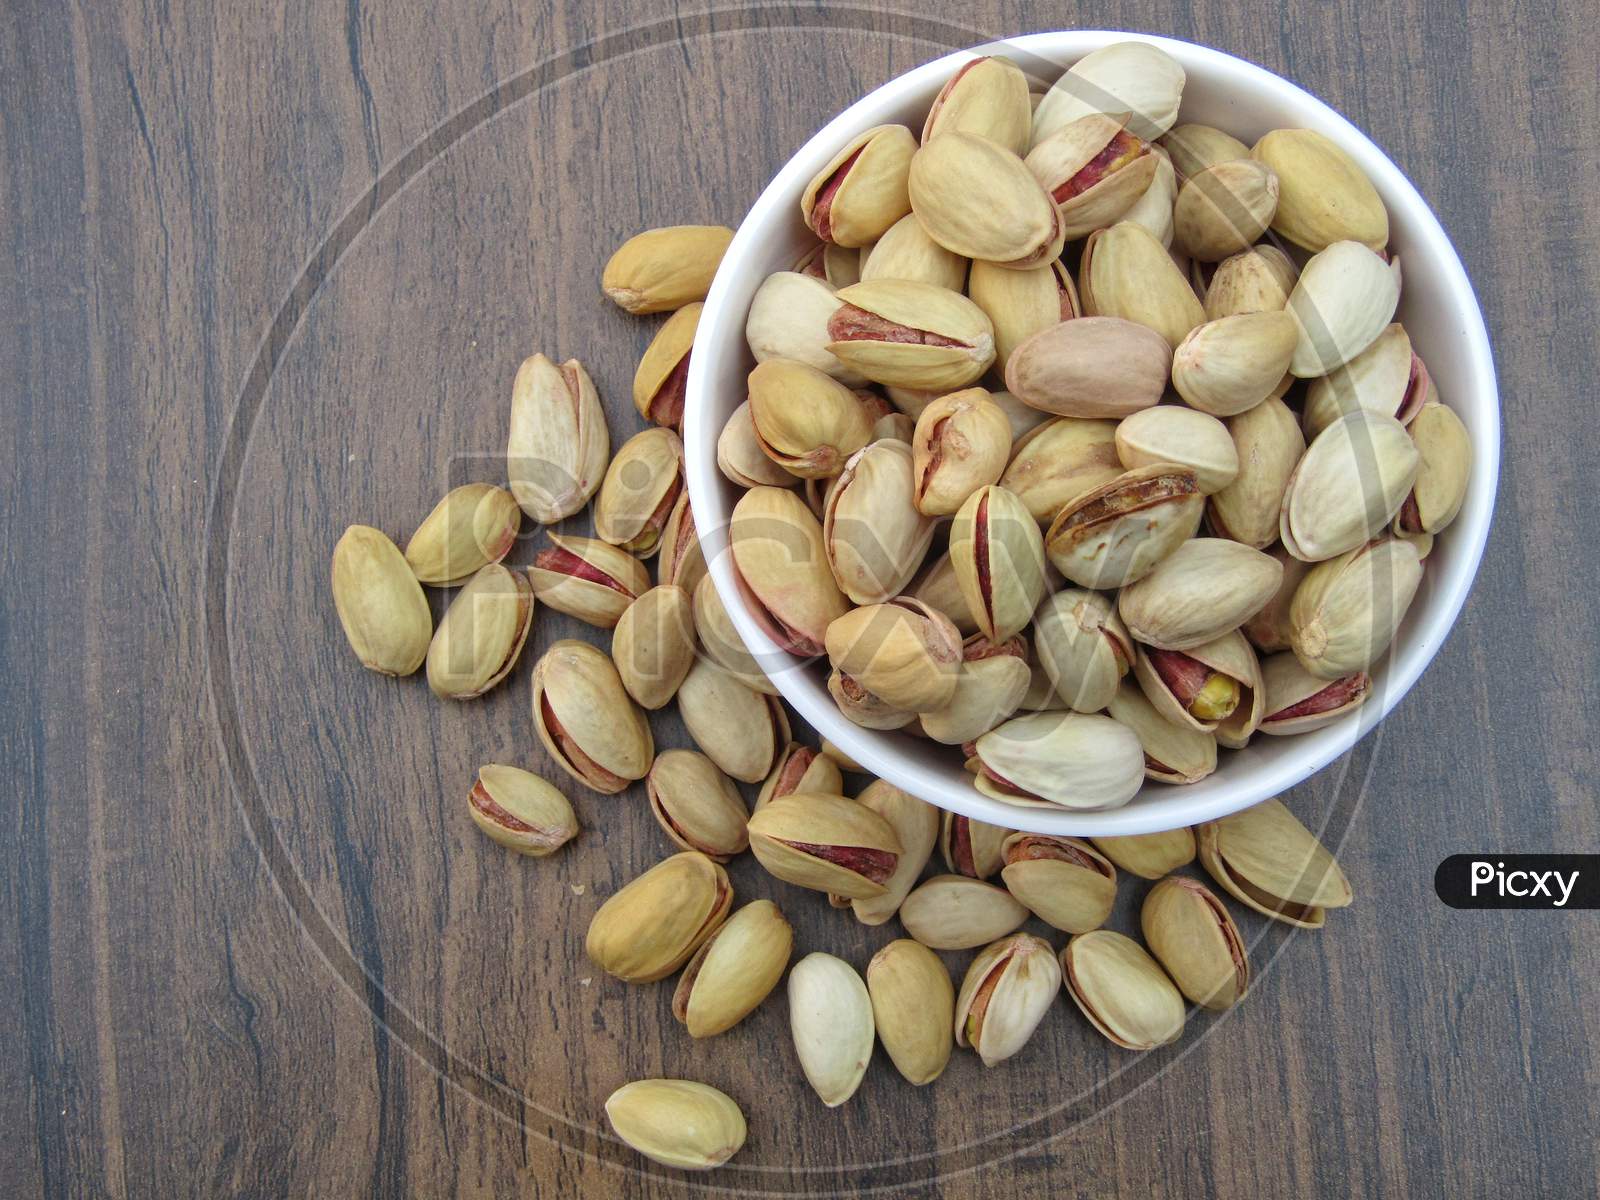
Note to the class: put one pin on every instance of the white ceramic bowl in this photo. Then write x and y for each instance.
(1440, 314)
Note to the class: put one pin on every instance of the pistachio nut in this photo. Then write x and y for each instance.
(862, 190)
(1268, 445)
(905, 652)
(1173, 753)
(697, 805)
(588, 579)
(1344, 298)
(1127, 273)
(1021, 303)
(937, 586)
(1191, 935)
(901, 333)
(586, 720)
(825, 842)
(520, 811)
(660, 270)
(1119, 532)
(989, 688)
(1229, 366)
(1197, 147)
(559, 445)
(873, 534)
(998, 554)
(1059, 461)
(988, 98)
(905, 251)
(1091, 367)
(1387, 377)
(1298, 701)
(662, 376)
(682, 563)
(1348, 485)
(481, 635)
(916, 825)
(1153, 210)
(741, 458)
(957, 912)
(1084, 647)
(979, 200)
(1149, 855)
(800, 769)
(677, 1122)
(1444, 449)
(640, 487)
(1064, 881)
(1267, 860)
(961, 445)
(1202, 590)
(648, 929)
(474, 525)
(1346, 611)
(1324, 196)
(838, 266)
(721, 642)
(1223, 209)
(1173, 435)
(867, 709)
(805, 421)
(971, 847)
(1124, 77)
(1255, 280)
(1007, 991)
(1076, 760)
(789, 317)
(1204, 686)
(1122, 990)
(734, 970)
(380, 604)
(1268, 630)
(740, 729)
(782, 561)
(913, 1006)
(830, 1018)
(1094, 169)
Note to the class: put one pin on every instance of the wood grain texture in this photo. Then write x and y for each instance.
(252, 944)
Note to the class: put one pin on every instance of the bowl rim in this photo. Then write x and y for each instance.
(1403, 665)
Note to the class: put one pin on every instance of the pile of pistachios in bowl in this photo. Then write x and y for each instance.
(1074, 578)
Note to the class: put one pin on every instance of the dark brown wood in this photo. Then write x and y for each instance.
(272, 268)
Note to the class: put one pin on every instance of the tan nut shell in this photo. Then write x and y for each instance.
(472, 526)
(1083, 646)
(988, 691)
(682, 563)
(956, 912)
(1059, 461)
(830, 1019)
(1445, 450)
(741, 458)
(789, 317)
(913, 1006)
(734, 970)
(1255, 280)
(874, 536)
(800, 769)
(818, 819)
(1127, 273)
(979, 200)
(380, 604)
(660, 270)
(938, 586)
(1191, 935)
(645, 474)
(1021, 303)
(905, 251)
(987, 97)
(1267, 860)
(872, 195)
(559, 445)
(1200, 591)
(1268, 630)
(1028, 978)
(905, 652)
(1075, 760)
(740, 729)
(598, 604)
(1149, 855)
(1091, 367)
(1070, 886)
(606, 733)
(1346, 611)
(1119, 532)
(838, 266)
(1287, 684)
(971, 847)
(778, 550)
(961, 445)
(1268, 445)
(1153, 210)
(677, 1122)
(995, 529)
(1345, 297)
(658, 380)
(1124, 77)
(1223, 209)
(1348, 485)
(1230, 366)
(481, 635)
(650, 927)
(1196, 147)
(1122, 990)
(1172, 434)
(520, 811)
(1059, 158)
(1173, 753)
(805, 421)
(697, 805)
(721, 641)
(1387, 377)
(896, 362)
(1324, 196)
(916, 826)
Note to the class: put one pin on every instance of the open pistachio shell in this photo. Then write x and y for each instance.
(799, 768)
(1153, 210)
(905, 652)
(1149, 855)
(838, 266)
(789, 317)
(1065, 882)
(1172, 435)
(586, 720)
(1124, 77)
(1059, 461)
(1075, 760)
(697, 804)
(998, 555)
(481, 635)
(779, 554)
(1172, 753)
(1091, 367)
(1298, 701)
(1118, 532)
(739, 729)
(559, 445)
(1021, 303)
(1191, 934)
(1202, 590)
(1006, 993)
(734, 970)
(1348, 485)
(520, 811)
(1268, 630)
(960, 445)
(862, 190)
(677, 1122)
(1267, 860)
(682, 563)
(641, 485)
(830, 1018)
(971, 847)
(1346, 611)
(956, 912)
(916, 825)
(1445, 451)
(989, 688)
(914, 335)
(905, 251)
(987, 97)
(721, 642)
(649, 928)
(741, 458)
(913, 1006)
(864, 707)
(381, 607)
(1127, 273)
(1344, 298)
(1387, 377)
(588, 579)
(827, 843)
(1203, 686)
(979, 200)
(661, 380)
(1122, 990)
(1268, 446)
(938, 586)
(874, 536)
(472, 526)
(1094, 169)
(1083, 646)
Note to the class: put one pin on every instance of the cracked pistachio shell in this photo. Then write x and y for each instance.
(588, 579)
(1325, 197)
(1192, 936)
(1122, 990)
(1094, 170)
(1348, 486)
(1006, 992)
(901, 333)
(721, 641)
(520, 811)
(937, 587)
(1268, 861)
(1091, 367)
(1059, 461)
(988, 98)
(1268, 630)
(826, 843)
(660, 270)
(989, 688)
(800, 769)
(1298, 701)
(1127, 273)
(1387, 377)
(586, 720)
(838, 266)
(913, 1006)
(741, 458)
(472, 526)
(805, 421)
(971, 847)
(481, 635)
(1021, 303)
(916, 825)
(1202, 590)
(697, 805)
(559, 445)
(734, 970)
(1160, 672)
(905, 251)
(648, 929)
(779, 554)
(998, 554)
(1196, 147)
(1064, 881)
(1172, 753)
(1223, 209)
(1149, 855)
(1084, 647)
(740, 729)
(1117, 533)
(1079, 761)
(1344, 298)
(863, 707)
(682, 563)
(380, 604)
(789, 317)
(830, 1019)
(1170, 434)
(960, 446)
(641, 485)
(1445, 451)
(663, 371)
(957, 912)
(874, 536)
(1153, 210)
(1268, 444)
(1124, 77)
(979, 200)
(1230, 366)
(862, 190)
(1252, 281)
(677, 1122)
(1346, 610)
(905, 652)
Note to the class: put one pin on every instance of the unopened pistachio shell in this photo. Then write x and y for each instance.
(1267, 860)
(1122, 990)
(677, 1122)
(1125, 77)
(955, 912)
(913, 1006)
(697, 804)
(520, 811)
(989, 688)
(1224, 208)
(481, 635)
(1020, 303)
(1083, 645)
(1171, 434)
(1344, 298)
(1231, 365)
(640, 487)
(1268, 445)
(905, 251)
(1347, 609)
(1005, 994)
(741, 730)
(979, 200)
(781, 557)
(1202, 590)
(741, 458)
(789, 317)
(1387, 377)
(734, 970)
(861, 192)
(1195, 147)
(1127, 273)
(1348, 485)
(1268, 630)
(472, 526)
(873, 533)
(559, 445)
(650, 927)
(831, 1021)
(1191, 934)
(1255, 280)
(938, 587)
(805, 421)
(380, 604)
(1149, 855)
(1153, 210)
(1091, 367)
(720, 640)
(663, 269)
(1324, 196)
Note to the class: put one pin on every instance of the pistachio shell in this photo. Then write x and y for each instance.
(1075, 760)
(1346, 611)
(841, 759)
(905, 251)
(1091, 367)
(998, 555)
(739, 729)
(1170, 434)
(864, 707)
(1344, 298)
(663, 269)
(1230, 366)
(1228, 661)
(1149, 855)
(988, 98)
(838, 266)
(979, 200)
(1196, 147)
(862, 190)
(971, 847)
(805, 421)
(1059, 461)
(381, 607)
(955, 912)
(1173, 753)
(827, 843)
(481, 635)
(663, 372)
(1117, 533)
(1298, 701)
(1007, 991)
(913, 1006)
(1268, 445)
(1094, 170)
(961, 445)
(472, 526)
(1202, 590)
(779, 553)
(1127, 273)
(1348, 485)
(905, 334)
(938, 587)
(1153, 210)
(586, 720)
(789, 317)
(741, 458)
(905, 652)
(677, 1122)
(734, 970)
(1387, 377)
(1255, 280)
(830, 1018)
(588, 579)
(650, 927)
(873, 534)
(1191, 934)
(559, 445)
(721, 642)
(1224, 208)
(1267, 860)
(800, 769)
(989, 688)
(1065, 882)
(1122, 990)
(1268, 630)
(916, 825)
(1325, 197)
(1124, 77)
(1022, 303)
(1084, 647)
(697, 804)
(1444, 448)
(640, 487)
(520, 811)
(682, 563)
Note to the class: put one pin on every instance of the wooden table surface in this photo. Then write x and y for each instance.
(272, 267)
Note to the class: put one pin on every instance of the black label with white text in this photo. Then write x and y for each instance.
(1558, 881)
